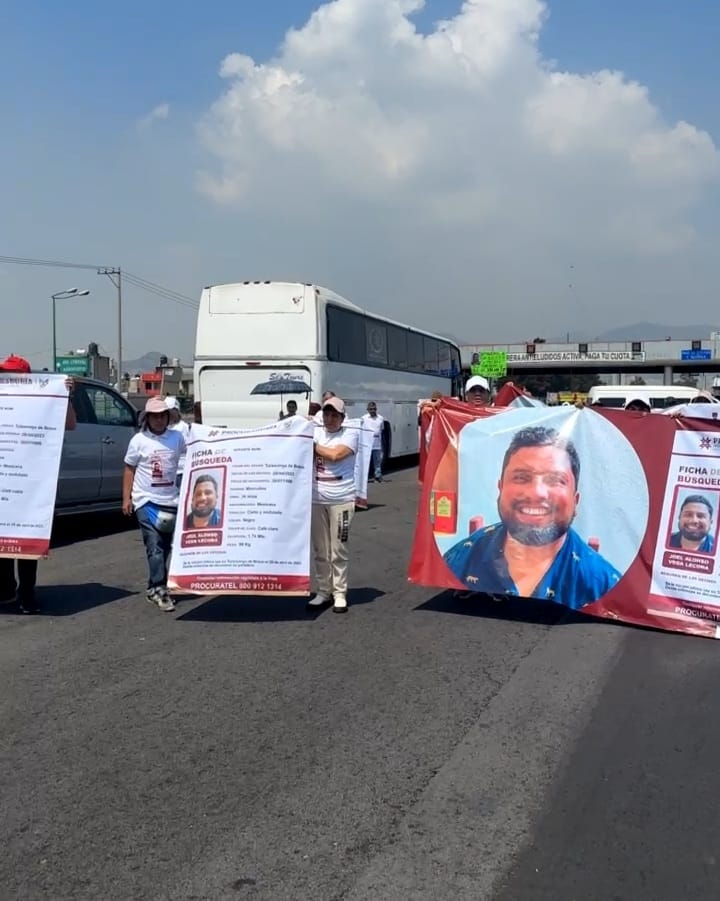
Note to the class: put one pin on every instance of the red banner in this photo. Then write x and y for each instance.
(609, 512)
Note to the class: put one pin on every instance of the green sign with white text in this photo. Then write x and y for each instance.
(72, 365)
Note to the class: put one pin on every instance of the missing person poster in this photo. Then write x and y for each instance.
(685, 564)
(33, 408)
(363, 459)
(243, 524)
(609, 512)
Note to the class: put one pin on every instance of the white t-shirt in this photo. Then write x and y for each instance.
(155, 458)
(184, 430)
(334, 482)
(376, 424)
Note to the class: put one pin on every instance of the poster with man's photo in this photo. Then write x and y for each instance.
(603, 511)
(244, 520)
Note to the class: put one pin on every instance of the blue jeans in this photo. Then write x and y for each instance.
(157, 549)
(377, 459)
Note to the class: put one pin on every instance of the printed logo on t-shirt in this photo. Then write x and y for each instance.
(162, 463)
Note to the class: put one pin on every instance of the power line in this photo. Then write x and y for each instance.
(135, 280)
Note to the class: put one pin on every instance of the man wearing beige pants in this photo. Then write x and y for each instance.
(333, 505)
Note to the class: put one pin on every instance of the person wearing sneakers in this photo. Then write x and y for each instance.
(374, 421)
(150, 489)
(333, 505)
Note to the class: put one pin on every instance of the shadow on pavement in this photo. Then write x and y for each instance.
(85, 526)
(67, 600)
(247, 609)
(266, 608)
(514, 609)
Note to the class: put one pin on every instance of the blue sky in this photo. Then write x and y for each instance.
(86, 181)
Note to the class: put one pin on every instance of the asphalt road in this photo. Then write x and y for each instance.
(417, 748)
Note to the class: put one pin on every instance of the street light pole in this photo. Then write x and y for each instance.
(111, 273)
(61, 295)
(54, 350)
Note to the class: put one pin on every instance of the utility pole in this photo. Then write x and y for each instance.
(112, 274)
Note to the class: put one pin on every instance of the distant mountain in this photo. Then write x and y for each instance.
(148, 362)
(643, 331)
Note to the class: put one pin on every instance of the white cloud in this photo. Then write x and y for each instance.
(157, 113)
(476, 170)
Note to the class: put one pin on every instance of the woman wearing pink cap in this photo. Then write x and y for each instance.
(150, 489)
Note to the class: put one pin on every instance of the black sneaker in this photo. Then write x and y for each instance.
(28, 604)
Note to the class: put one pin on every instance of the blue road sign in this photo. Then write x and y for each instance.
(696, 355)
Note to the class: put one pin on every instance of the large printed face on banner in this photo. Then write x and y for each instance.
(551, 504)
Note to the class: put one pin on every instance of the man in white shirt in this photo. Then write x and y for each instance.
(373, 420)
(333, 505)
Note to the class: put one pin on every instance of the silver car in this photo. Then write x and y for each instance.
(92, 462)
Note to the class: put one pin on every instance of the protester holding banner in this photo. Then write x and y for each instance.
(477, 391)
(637, 404)
(150, 489)
(333, 505)
(27, 569)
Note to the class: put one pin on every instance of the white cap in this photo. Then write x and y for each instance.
(635, 398)
(172, 403)
(477, 381)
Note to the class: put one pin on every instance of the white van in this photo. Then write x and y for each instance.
(659, 397)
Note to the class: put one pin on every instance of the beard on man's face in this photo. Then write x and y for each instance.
(535, 536)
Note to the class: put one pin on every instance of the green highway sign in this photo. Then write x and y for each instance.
(72, 365)
(493, 364)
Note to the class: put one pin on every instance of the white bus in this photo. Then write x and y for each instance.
(256, 332)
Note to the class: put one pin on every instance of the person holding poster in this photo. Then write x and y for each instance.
(333, 505)
(534, 551)
(22, 589)
(150, 489)
(695, 522)
(477, 391)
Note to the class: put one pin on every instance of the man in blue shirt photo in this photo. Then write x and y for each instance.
(204, 510)
(695, 521)
(534, 551)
